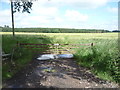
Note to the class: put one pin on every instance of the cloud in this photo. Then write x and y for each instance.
(114, 0)
(51, 14)
(72, 15)
(58, 19)
(41, 10)
(112, 9)
(73, 3)
(5, 17)
(39, 15)
(5, 1)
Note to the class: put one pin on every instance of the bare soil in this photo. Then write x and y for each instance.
(59, 73)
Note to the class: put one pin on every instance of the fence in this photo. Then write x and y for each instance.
(54, 48)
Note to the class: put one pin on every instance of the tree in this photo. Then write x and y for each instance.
(21, 5)
(6, 26)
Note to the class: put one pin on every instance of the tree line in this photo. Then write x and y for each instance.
(54, 30)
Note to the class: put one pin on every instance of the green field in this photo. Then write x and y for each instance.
(102, 58)
(69, 35)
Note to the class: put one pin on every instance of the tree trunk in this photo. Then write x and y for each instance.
(12, 18)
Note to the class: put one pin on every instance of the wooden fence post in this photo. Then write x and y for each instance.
(91, 44)
(17, 44)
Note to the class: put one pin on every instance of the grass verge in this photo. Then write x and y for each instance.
(21, 56)
(103, 59)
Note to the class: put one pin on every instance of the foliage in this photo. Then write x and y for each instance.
(103, 59)
(116, 31)
(21, 56)
(54, 30)
(23, 6)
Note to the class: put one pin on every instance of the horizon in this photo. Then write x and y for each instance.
(61, 28)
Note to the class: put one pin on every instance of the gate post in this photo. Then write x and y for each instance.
(56, 47)
(91, 44)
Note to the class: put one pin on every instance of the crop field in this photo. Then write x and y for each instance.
(76, 35)
(102, 58)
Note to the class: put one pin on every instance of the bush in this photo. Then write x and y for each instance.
(102, 58)
(21, 56)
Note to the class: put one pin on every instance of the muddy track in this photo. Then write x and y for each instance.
(61, 73)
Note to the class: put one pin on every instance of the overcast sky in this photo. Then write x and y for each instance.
(87, 14)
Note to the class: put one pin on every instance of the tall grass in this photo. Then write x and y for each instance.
(21, 56)
(102, 59)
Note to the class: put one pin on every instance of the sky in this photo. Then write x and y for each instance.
(80, 14)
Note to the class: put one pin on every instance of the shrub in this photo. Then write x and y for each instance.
(102, 58)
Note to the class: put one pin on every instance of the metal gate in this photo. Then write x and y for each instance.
(53, 48)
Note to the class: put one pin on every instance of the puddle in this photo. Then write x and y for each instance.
(46, 57)
(65, 56)
(54, 56)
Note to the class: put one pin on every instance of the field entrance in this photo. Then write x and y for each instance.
(61, 73)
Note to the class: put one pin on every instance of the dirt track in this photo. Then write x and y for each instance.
(62, 73)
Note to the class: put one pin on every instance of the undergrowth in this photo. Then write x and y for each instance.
(19, 56)
(103, 59)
